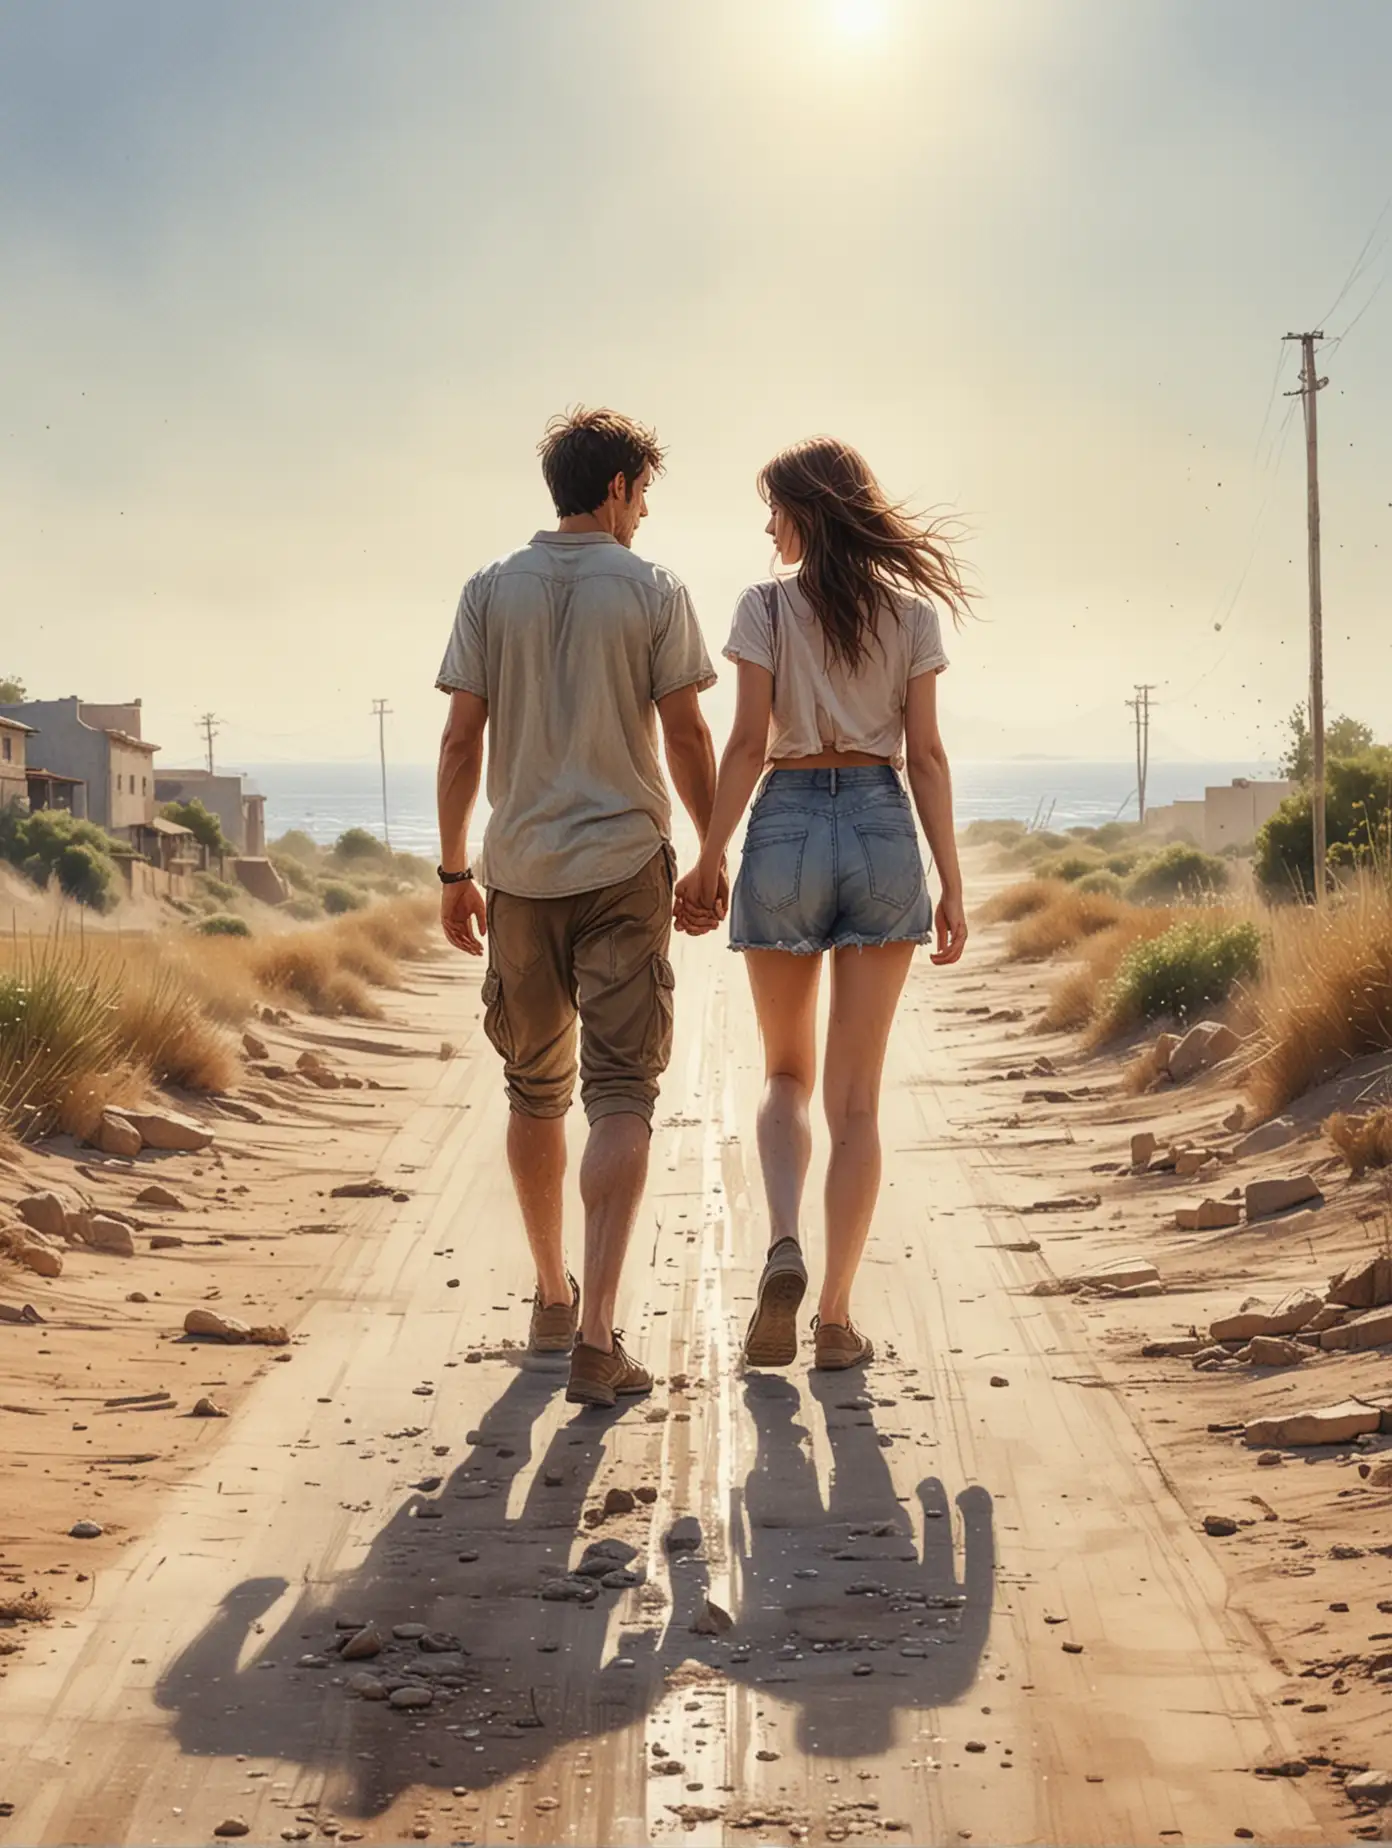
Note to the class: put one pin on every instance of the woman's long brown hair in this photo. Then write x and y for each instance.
(858, 547)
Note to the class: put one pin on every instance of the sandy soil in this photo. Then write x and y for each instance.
(970, 1597)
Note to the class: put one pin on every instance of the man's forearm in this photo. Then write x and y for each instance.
(457, 788)
(692, 763)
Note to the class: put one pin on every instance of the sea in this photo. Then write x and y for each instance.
(325, 799)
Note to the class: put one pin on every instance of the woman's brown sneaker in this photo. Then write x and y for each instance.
(598, 1378)
(840, 1345)
(771, 1340)
(554, 1324)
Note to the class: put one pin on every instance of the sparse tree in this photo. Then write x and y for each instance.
(1343, 737)
(13, 691)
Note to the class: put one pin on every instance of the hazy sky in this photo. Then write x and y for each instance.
(290, 290)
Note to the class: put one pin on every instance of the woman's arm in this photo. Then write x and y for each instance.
(930, 779)
(740, 767)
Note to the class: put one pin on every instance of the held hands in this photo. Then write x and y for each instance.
(702, 898)
(462, 907)
(950, 923)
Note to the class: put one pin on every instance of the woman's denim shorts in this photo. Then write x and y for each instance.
(831, 858)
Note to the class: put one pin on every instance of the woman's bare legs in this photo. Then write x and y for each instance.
(785, 1000)
(865, 989)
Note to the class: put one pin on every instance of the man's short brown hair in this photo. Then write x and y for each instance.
(583, 450)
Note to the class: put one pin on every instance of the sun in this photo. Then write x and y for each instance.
(860, 19)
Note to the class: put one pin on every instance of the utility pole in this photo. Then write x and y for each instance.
(382, 712)
(1310, 386)
(1140, 705)
(209, 726)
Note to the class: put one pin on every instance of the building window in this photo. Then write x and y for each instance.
(9, 749)
(144, 785)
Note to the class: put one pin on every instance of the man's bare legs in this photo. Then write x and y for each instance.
(536, 1148)
(785, 1000)
(613, 1174)
(865, 989)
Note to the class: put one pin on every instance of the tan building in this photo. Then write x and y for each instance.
(99, 751)
(14, 785)
(1230, 815)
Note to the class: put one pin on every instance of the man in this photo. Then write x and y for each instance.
(570, 653)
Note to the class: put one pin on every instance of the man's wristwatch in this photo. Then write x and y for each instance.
(454, 878)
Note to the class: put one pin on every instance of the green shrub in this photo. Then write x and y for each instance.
(337, 898)
(1114, 834)
(1190, 967)
(223, 924)
(86, 875)
(1068, 866)
(985, 833)
(1357, 819)
(295, 844)
(221, 889)
(1177, 872)
(1124, 862)
(294, 872)
(1101, 880)
(358, 844)
(303, 910)
(202, 823)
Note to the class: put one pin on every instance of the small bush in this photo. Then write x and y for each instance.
(1101, 880)
(294, 872)
(358, 844)
(221, 889)
(202, 823)
(1192, 966)
(994, 833)
(223, 924)
(1358, 821)
(1069, 866)
(337, 898)
(1018, 901)
(303, 910)
(86, 875)
(1363, 1141)
(1113, 833)
(1177, 872)
(1124, 861)
(1066, 920)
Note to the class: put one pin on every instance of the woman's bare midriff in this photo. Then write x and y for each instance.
(828, 760)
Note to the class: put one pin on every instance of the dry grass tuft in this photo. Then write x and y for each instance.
(1071, 1002)
(1326, 994)
(1067, 918)
(1019, 901)
(305, 966)
(1363, 1141)
(1143, 1070)
(33, 1607)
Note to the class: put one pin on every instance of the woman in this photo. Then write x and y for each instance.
(838, 670)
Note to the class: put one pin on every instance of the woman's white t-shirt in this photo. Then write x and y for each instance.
(819, 704)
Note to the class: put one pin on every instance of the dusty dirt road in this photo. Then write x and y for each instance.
(962, 1610)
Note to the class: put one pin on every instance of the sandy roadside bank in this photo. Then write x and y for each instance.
(97, 1400)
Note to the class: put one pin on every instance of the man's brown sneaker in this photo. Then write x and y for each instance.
(772, 1337)
(597, 1378)
(554, 1324)
(840, 1345)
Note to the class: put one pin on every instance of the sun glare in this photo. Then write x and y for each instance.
(859, 19)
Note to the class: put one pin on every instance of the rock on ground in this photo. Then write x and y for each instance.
(106, 1234)
(45, 1212)
(1205, 1045)
(1208, 1216)
(155, 1195)
(117, 1135)
(1327, 1424)
(1363, 1286)
(1268, 1138)
(1272, 1351)
(1255, 1317)
(1371, 1329)
(1266, 1197)
(209, 1325)
(168, 1130)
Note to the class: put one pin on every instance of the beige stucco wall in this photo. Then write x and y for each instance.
(1234, 812)
(12, 784)
(132, 786)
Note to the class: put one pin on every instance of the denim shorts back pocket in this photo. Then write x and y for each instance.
(893, 863)
(772, 864)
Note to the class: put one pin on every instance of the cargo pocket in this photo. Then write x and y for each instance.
(658, 1050)
(772, 865)
(495, 1023)
(893, 862)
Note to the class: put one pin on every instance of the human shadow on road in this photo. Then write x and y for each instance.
(852, 1611)
(528, 1677)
